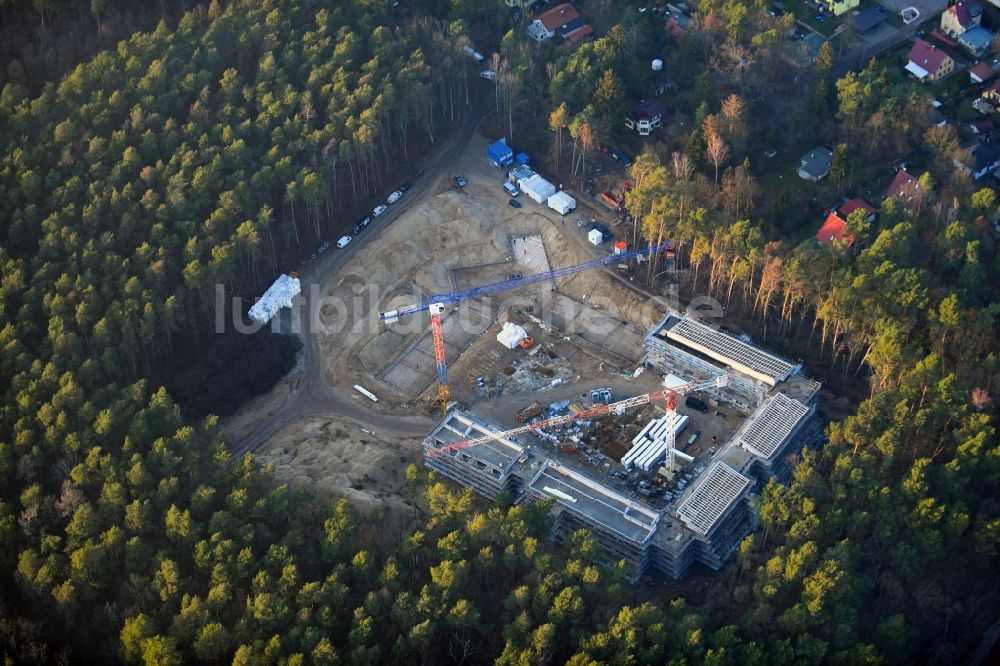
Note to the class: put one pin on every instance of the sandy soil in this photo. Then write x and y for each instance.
(411, 257)
(334, 458)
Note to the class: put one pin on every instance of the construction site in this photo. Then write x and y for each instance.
(549, 377)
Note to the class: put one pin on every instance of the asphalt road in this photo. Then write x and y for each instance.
(312, 394)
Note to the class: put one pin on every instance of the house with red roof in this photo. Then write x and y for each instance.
(906, 190)
(552, 21)
(981, 72)
(963, 15)
(928, 62)
(992, 94)
(854, 204)
(833, 230)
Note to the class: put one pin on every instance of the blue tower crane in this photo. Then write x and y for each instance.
(435, 305)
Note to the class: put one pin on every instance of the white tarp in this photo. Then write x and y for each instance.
(538, 189)
(917, 70)
(562, 203)
(511, 335)
(278, 295)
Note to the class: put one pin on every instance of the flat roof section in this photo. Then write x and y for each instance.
(730, 350)
(772, 425)
(594, 502)
(719, 489)
(458, 427)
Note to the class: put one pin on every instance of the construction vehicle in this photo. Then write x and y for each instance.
(527, 342)
(616, 200)
(529, 412)
(668, 395)
(436, 306)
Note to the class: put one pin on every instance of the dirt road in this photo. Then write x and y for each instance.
(312, 394)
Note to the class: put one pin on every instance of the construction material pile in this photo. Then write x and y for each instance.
(649, 447)
(278, 295)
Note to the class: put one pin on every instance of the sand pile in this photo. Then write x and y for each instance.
(336, 459)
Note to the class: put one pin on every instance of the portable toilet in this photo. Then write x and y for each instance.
(620, 247)
(595, 236)
(522, 158)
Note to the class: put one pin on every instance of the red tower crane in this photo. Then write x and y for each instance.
(669, 395)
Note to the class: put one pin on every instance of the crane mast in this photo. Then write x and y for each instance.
(436, 306)
(670, 395)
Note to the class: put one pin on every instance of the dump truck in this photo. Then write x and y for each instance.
(529, 412)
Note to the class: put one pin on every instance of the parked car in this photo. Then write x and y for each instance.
(417, 174)
(344, 242)
(378, 210)
(511, 190)
(394, 197)
(621, 157)
(460, 181)
(488, 74)
(515, 203)
(405, 185)
(359, 227)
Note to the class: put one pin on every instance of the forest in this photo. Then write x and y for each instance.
(213, 146)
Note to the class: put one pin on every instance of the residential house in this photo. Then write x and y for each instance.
(659, 88)
(977, 41)
(960, 17)
(815, 165)
(644, 117)
(677, 24)
(548, 23)
(806, 50)
(906, 190)
(992, 94)
(578, 33)
(833, 229)
(982, 127)
(518, 3)
(981, 161)
(853, 204)
(981, 72)
(928, 62)
(837, 7)
(868, 19)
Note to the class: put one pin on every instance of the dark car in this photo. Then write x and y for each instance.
(621, 157)
(360, 226)
(514, 202)
(405, 185)
(460, 181)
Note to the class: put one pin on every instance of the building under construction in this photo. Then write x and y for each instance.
(703, 521)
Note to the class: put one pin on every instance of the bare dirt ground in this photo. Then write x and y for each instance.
(333, 458)
(415, 255)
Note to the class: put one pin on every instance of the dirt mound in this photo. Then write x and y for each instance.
(333, 458)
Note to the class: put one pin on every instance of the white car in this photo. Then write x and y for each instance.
(511, 190)
(394, 197)
(344, 242)
(378, 210)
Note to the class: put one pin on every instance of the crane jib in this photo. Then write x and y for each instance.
(456, 296)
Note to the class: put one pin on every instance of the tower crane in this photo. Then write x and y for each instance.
(436, 305)
(669, 395)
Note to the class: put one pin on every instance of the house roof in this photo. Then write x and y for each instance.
(905, 189)
(579, 33)
(868, 19)
(646, 109)
(817, 161)
(832, 230)
(963, 13)
(986, 155)
(981, 72)
(977, 39)
(677, 25)
(558, 16)
(927, 56)
(855, 204)
(982, 126)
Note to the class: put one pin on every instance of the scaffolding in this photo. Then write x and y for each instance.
(732, 351)
(708, 502)
(773, 426)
